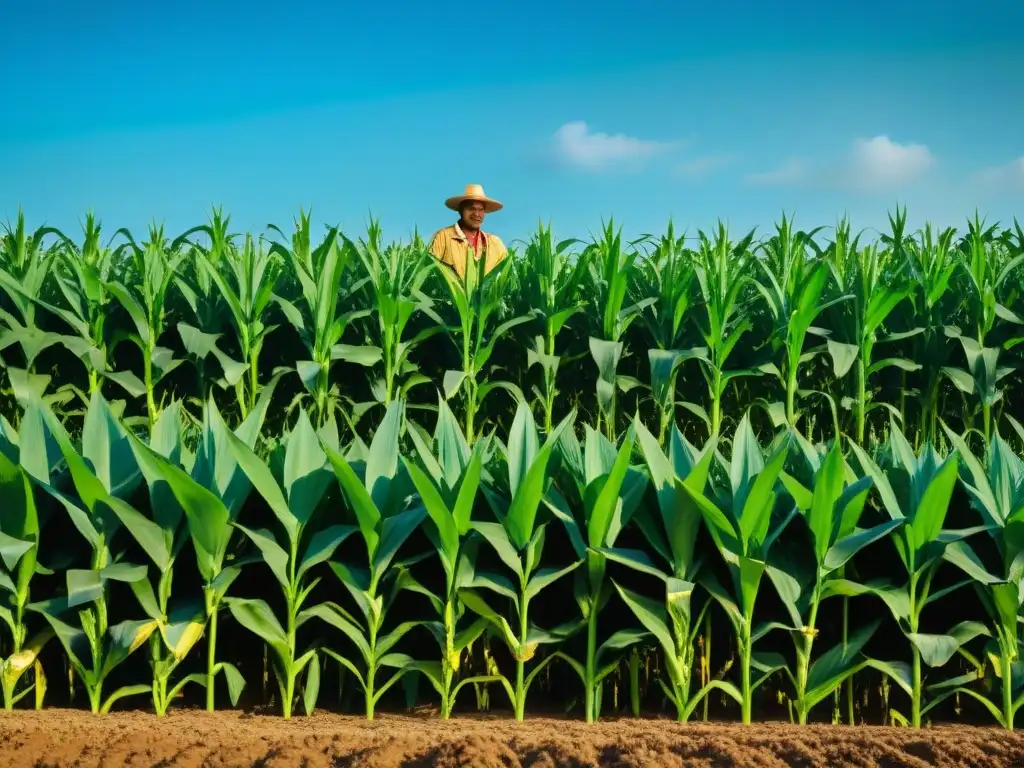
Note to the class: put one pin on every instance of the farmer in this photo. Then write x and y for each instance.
(453, 245)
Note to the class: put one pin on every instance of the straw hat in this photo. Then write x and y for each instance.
(473, 192)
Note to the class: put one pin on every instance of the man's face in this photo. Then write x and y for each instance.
(473, 214)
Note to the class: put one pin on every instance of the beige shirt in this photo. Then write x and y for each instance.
(451, 247)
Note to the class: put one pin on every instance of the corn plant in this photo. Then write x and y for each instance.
(304, 540)
(987, 265)
(81, 274)
(518, 541)
(180, 620)
(144, 297)
(35, 453)
(672, 535)
(24, 267)
(247, 289)
(996, 489)
(211, 489)
(931, 265)
(447, 480)
(607, 493)
(741, 522)
(668, 275)
(197, 283)
(395, 276)
(478, 301)
(103, 475)
(793, 288)
(831, 509)
(873, 281)
(610, 266)
(20, 538)
(916, 489)
(375, 491)
(722, 269)
(319, 324)
(553, 290)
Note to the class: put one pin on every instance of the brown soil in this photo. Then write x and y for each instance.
(191, 738)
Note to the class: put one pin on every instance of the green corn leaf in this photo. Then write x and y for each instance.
(841, 552)
(480, 607)
(495, 583)
(305, 477)
(834, 666)
(636, 559)
(931, 510)
(273, 554)
(235, 681)
(394, 532)
(154, 540)
(652, 615)
(547, 576)
(123, 640)
(439, 513)
(322, 545)
(12, 550)
(382, 464)
(256, 616)
(608, 498)
(937, 650)
(337, 617)
(527, 494)
(463, 509)
(366, 511)
(208, 517)
(500, 540)
(828, 485)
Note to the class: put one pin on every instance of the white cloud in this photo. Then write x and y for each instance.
(577, 144)
(701, 166)
(793, 171)
(871, 164)
(1003, 177)
(882, 162)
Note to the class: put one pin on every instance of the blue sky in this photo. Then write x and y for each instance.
(640, 111)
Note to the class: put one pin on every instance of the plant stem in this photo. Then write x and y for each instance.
(915, 691)
(95, 697)
(371, 670)
(791, 397)
(520, 662)
(915, 706)
(1007, 670)
(470, 410)
(589, 701)
(747, 694)
(861, 395)
(707, 660)
(289, 667)
(254, 385)
(849, 681)
(447, 668)
(805, 656)
(446, 686)
(716, 401)
(211, 659)
(634, 683)
(147, 372)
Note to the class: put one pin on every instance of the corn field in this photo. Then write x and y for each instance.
(710, 476)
